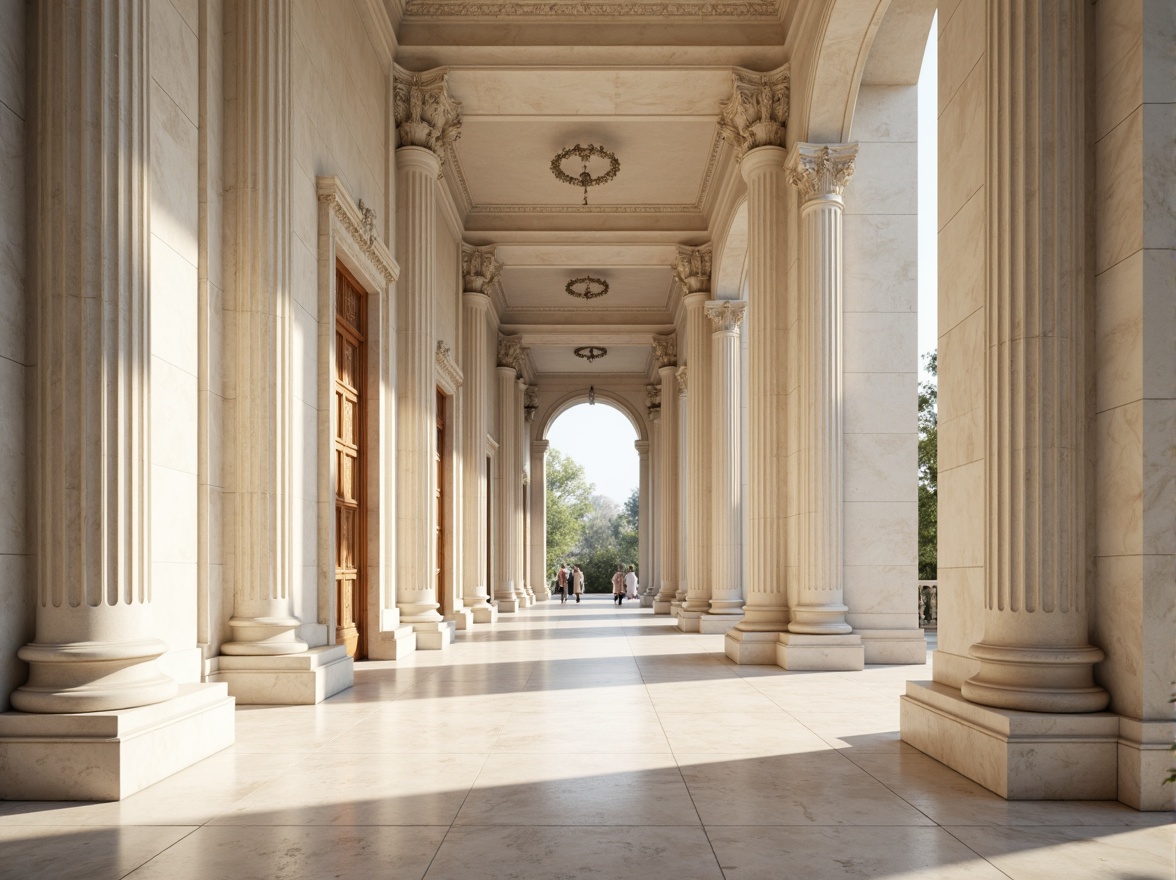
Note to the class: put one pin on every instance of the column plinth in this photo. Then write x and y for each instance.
(665, 350)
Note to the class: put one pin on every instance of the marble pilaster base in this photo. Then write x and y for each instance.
(689, 621)
(286, 679)
(463, 618)
(675, 608)
(507, 606)
(1145, 757)
(894, 646)
(486, 614)
(660, 607)
(107, 756)
(715, 624)
(434, 635)
(1018, 755)
(751, 648)
(393, 644)
(647, 601)
(840, 653)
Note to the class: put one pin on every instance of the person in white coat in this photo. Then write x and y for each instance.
(577, 582)
(631, 584)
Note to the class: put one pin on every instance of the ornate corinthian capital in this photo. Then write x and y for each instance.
(426, 116)
(757, 111)
(726, 314)
(821, 169)
(692, 268)
(512, 353)
(652, 399)
(479, 268)
(681, 377)
(665, 350)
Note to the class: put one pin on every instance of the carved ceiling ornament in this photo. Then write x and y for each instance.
(731, 8)
(665, 350)
(692, 268)
(757, 112)
(726, 314)
(821, 170)
(480, 268)
(426, 116)
(512, 353)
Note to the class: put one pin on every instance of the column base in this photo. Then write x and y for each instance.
(463, 618)
(1145, 759)
(689, 621)
(507, 606)
(751, 648)
(716, 624)
(542, 595)
(1018, 755)
(107, 756)
(660, 606)
(287, 680)
(485, 614)
(843, 653)
(647, 601)
(434, 635)
(394, 644)
(894, 646)
(675, 608)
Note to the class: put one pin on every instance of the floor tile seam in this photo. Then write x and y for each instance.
(148, 861)
(981, 857)
(890, 789)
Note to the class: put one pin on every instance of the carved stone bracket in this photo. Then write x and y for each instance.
(665, 350)
(692, 268)
(726, 314)
(426, 116)
(821, 170)
(480, 268)
(757, 112)
(512, 353)
(446, 365)
(359, 222)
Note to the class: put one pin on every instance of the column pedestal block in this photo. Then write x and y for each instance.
(107, 756)
(689, 621)
(287, 679)
(660, 607)
(894, 646)
(1018, 755)
(1144, 760)
(434, 635)
(507, 606)
(463, 618)
(820, 653)
(394, 644)
(751, 648)
(488, 614)
(716, 624)
(676, 608)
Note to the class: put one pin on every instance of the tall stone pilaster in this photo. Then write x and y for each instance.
(522, 475)
(818, 636)
(726, 603)
(480, 272)
(647, 494)
(643, 475)
(95, 650)
(754, 638)
(665, 352)
(539, 579)
(508, 589)
(426, 121)
(1036, 654)
(693, 272)
(683, 480)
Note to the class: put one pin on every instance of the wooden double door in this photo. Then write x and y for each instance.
(350, 464)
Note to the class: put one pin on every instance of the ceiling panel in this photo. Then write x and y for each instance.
(561, 359)
(629, 288)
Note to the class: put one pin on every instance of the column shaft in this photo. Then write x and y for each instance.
(727, 483)
(522, 454)
(93, 648)
(505, 590)
(475, 367)
(1035, 655)
(698, 427)
(260, 367)
(643, 511)
(683, 481)
(417, 171)
(668, 490)
(539, 519)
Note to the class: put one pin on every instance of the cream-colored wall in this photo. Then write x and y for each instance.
(880, 339)
(1134, 315)
(449, 284)
(962, 234)
(17, 594)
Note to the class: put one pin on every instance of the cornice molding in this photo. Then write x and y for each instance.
(446, 366)
(359, 225)
(566, 9)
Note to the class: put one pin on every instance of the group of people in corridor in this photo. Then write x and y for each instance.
(570, 581)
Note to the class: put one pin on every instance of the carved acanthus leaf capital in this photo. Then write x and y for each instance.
(480, 268)
(653, 400)
(512, 353)
(665, 350)
(726, 314)
(681, 376)
(821, 170)
(757, 111)
(692, 268)
(531, 402)
(426, 116)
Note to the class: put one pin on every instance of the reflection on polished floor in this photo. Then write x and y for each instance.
(581, 741)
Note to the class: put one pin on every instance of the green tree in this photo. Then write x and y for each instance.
(569, 501)
(929, 472)
(625, 530)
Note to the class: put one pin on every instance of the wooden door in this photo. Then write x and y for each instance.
(440, 506)
(349, 464)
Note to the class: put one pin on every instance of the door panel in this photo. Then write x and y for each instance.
(349, 464)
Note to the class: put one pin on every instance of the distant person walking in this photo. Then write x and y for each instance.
(631, 584)
(563, 583)
(577, 582)
(618, 584)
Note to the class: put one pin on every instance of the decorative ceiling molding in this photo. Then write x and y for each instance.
(581, 8)
(359, 225)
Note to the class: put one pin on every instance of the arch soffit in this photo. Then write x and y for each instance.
(731, 260)
(574, 398)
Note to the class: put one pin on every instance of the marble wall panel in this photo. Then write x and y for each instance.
(961, 440)
(882, 181)
(1119, 480)
(13, 49)
(174, 176)
(960, 603)
(880, 533)
(1118, 327)
(1159, 176)
(304, 354)
(1159, 36)
(17, 620)
(174, 405)
(962, 368)
(14, 335)
(881, 403)
(15, 460)
(886, 113)
(1159, 324)
(173, 516)
(962, 266)
(174, 58)
(879, 467)
(449, 284)
(1117, 618)
(962, 144)
(1159, 622)
(1158, 480)
(881, 589)
(173, 604)
(174, 304)
(880, 342)
(961, 516)
(881, 263)
(962, 44)
(1118, 188)
(1119, 85)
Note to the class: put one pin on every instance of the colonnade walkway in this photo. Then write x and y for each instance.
(575, 741)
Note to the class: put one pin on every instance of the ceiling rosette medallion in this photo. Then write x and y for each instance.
(426, 115)
(586, 287)
(586, 156)
(757, 112)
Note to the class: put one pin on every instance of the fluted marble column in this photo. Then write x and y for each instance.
(94, 647)
(766, 610)
(693, 270)
(508, 590)
(818, 635)
(666, 353)
(683, 481)
(1036, 655)
(726, 603)
(647, 493)
(523, 457)
(642, 447)
(259, 367)
(539, 579)
(480, 271)
(426, 119)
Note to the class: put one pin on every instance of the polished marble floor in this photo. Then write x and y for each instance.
(581, 741)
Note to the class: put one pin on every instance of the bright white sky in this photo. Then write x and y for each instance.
(601, 438)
